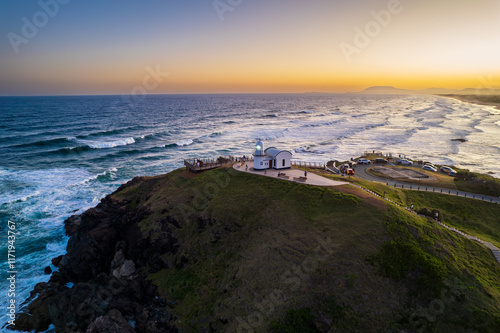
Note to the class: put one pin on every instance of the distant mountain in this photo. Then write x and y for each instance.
(385, 90)
(429, 91)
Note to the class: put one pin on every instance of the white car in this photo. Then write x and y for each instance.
(406, 162)
(449, 171)
(364, 161)
(429, 167)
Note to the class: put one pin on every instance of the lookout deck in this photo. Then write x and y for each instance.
(198, 165)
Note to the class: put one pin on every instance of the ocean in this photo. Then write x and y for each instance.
(60, 155)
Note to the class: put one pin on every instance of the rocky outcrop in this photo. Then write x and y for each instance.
(113, 322)
(101, 285)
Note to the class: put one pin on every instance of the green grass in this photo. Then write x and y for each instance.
(477, 183)
(404, 260)
(475, 217)
(296, 321)
(245, 238)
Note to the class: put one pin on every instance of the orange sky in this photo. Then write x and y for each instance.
(273, 46)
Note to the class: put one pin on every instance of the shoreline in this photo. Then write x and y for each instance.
(475, 99)
(126, 252)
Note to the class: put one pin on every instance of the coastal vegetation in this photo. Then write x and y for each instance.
(475, 217)
(386, 267)
(229, 251)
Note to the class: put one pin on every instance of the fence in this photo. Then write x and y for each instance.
(447, 191)
(198, 165)
(310, 165)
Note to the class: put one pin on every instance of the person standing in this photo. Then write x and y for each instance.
(305, 173)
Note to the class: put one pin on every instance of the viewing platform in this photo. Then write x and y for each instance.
(199, 165)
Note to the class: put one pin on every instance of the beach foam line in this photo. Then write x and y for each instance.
(184, 143)
(108, 144)
(308, 150)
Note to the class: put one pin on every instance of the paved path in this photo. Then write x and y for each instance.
(312, 178)
(363, 174)
(493, 248)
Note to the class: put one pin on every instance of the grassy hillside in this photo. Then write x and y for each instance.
(474, 217)
(267, 255)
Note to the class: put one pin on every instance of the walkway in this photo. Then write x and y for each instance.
(292, 174)
(493, 248)
(363, 174)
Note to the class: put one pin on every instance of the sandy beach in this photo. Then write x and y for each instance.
(490, 100)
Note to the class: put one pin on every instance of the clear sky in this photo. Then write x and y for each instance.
(105, 47)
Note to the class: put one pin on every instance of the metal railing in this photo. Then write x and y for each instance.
(310, 165)
(446, 191)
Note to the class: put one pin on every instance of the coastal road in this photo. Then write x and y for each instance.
(363, 174)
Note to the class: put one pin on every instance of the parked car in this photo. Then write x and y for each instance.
(449, 171)
(429, 167)
(405, 162)
(364, 161)
(380, 161)
(350, 172)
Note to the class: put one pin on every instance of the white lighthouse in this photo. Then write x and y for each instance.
(260, 161)
(270, 158)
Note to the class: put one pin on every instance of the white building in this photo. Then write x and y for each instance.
(271, 158)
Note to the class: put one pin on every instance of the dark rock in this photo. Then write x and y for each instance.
(112, 322)
(47, 270)
(125, 270)
(57, 260)
(106, 254)
(72, 224)
(118, 260)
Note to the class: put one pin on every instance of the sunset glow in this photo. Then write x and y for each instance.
(260, 46)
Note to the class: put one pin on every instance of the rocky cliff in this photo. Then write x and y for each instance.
(101, 285)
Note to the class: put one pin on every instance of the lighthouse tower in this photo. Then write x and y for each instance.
(261, 160)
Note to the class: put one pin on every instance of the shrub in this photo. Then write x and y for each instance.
(296, 321)
(431, 213)
(424, 211)
(465, 175)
